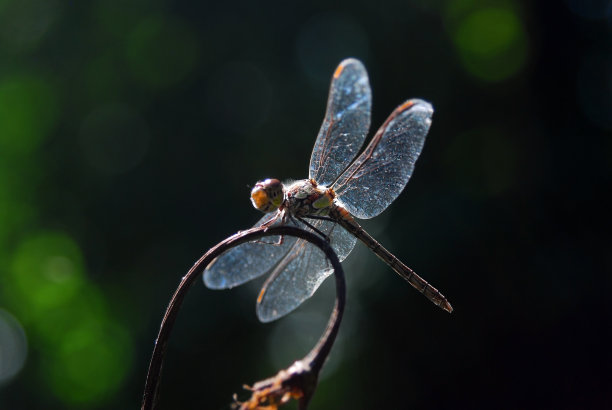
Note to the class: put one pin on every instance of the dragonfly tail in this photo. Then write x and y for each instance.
(343, 217)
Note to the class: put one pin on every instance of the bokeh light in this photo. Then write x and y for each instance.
(104, 79)
(116, 18)
(91, 351)
(47, 271)
(489, 38)
(161, 51)
(114, 139)
(93, 357)
(15, 207)
(29, 111)
(24, 23)
(13, 346)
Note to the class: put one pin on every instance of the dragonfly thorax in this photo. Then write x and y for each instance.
(306, 197)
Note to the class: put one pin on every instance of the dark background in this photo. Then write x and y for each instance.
(130, 131)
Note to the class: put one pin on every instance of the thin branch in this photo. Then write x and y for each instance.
(300, 379)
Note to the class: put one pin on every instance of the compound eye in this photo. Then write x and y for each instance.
(259, 197)
(272, 184)
(267, 196)
(274, 189)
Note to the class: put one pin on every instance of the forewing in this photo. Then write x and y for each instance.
(346, 123)
(247, 261)
(298, 275)
(382, 171)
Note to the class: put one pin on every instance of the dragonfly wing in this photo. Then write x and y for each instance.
(346, 123)
(383, 169)
(247, 261)
(298, 275)
(341, 240)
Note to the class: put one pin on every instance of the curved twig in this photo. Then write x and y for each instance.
(300, 379)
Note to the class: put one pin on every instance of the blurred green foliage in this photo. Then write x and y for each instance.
(30, 110)
(161, 52)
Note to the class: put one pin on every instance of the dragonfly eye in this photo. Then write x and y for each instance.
(267, 196)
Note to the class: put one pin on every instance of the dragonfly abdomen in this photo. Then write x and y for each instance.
(344, 218)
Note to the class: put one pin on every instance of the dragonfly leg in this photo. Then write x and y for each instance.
(279, 242)
(269, 223)
(308, 224)
(322, 218)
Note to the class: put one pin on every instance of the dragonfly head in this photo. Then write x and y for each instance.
(267, 195)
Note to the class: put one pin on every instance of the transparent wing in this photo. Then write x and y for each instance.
(247, 261)
(298, 275)
(383, 169)
(346, 123)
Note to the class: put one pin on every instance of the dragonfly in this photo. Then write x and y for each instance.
(341, 187)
